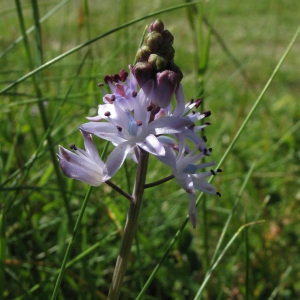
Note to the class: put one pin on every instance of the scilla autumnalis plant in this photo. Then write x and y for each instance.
(139, 119)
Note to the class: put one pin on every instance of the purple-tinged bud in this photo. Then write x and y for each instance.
(143, 72)
(167, 37)
(167, 51)
(173, 67)
(165, 86)
(157, 62)
(143, 53)
(153, 40)
(157, 26)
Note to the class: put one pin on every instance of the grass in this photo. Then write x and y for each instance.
(246, 242)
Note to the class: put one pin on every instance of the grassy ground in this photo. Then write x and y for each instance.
(260, 179)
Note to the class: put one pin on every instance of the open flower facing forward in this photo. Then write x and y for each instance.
(86, 166)
(129, 126)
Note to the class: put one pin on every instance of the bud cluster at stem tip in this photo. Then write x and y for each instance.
(155, 58)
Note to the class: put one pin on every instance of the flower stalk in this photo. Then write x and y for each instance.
(130, 227)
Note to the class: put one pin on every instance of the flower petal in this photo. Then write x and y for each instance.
(79, 167)
(116, 158)
(152, 145)
(200, 183)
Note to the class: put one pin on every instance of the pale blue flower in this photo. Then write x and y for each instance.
(86, 166)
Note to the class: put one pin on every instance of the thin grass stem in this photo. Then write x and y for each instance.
(213, 267)
(71, 242)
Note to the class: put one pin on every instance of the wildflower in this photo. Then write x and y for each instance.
(86, 166)
(129, 129)
(185, 170)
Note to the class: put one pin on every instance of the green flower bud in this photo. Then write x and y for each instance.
(157, 62)
(143, 53)
(153, 40)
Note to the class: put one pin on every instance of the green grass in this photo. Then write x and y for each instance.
(232, 254)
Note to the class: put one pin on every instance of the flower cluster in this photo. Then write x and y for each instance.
(138, 114)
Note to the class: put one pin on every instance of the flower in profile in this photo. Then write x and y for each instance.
(185, 169)
(86, 166)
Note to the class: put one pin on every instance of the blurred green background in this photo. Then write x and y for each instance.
(227, 51)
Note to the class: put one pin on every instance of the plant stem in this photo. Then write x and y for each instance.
(130, 227)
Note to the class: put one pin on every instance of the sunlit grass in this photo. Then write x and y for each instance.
(246, 43)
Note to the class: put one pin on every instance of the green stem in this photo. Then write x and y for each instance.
(130, 227)
(71, 243)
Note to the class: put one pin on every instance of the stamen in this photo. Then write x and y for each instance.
(212, 172)
(134, 94)
(119, 128)
(107, 114)
(198, 102)
(73, 147)
(116, 78)
(110, 99)
(100, 84)
(123, 75)
(207, 113)
(218, 194)
(204, 138)
(107, 79)
(219, 170)
(139, 123)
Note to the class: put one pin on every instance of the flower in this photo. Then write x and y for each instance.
(86, 166)
(128, 127)
(185, 169)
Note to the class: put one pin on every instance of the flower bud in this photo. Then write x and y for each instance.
(157, 62)
(173, 67)
(143, 53)
(157, 26)
(165, 86)
(167, 37)
(167, 51)
(143, 72)
(153, 40)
